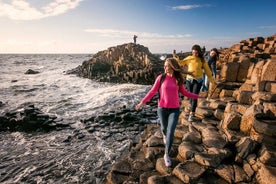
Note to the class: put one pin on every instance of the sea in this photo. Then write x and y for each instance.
(55, 92)
(69, 97)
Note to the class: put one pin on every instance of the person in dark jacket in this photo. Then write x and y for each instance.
(211, 58)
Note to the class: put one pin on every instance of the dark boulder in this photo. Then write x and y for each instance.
(30, 71)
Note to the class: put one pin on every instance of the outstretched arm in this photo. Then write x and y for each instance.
(184, 92)
(150, 94)
(208, 72)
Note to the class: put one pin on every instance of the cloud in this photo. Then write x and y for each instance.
(23, 10)
(268, 27)
(126, 33)
(188, 7)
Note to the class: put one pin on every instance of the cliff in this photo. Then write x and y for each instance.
(233, 139)
(127, 63)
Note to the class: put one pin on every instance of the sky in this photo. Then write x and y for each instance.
(90, 26)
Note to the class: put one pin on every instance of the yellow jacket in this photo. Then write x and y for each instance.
(196, 67)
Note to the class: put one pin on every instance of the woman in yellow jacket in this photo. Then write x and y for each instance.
(196, 64)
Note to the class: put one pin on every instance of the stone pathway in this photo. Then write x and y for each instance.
(212, 149)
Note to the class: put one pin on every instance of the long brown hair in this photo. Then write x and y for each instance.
(177, 70)
(199, 51)
(216, 51)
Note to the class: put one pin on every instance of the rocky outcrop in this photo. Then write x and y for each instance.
(30, 71)
(29, 119)
(127, 63)
(233, 139)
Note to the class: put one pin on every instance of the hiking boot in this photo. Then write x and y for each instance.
(167, 160)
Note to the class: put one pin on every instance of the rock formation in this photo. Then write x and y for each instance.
(127, 63)
(233, 139)
(29, 118)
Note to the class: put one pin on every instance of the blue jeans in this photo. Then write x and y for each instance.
(168, 120)
(205, 84)
(193, 86)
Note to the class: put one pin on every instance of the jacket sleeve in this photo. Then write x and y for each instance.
(153, 90)
(186, 93)
(180, 62)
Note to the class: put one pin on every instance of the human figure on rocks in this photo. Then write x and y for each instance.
(211, 58)
(169, 103)
(196, 64)
(135, 38)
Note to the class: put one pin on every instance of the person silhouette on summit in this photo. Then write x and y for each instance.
(135, 38)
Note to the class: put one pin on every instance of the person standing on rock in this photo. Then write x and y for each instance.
(169, 102)
(211, 58)
(135, 38)
(196, 65)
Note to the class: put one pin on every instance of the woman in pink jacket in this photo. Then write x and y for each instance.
(169, 102)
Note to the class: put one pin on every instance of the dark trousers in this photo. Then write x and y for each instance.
(194, 87)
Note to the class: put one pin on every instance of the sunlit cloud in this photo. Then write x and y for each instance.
(126, 33)
(188, 7)
(23, 10)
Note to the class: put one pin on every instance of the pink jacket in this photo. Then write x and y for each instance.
(169, 93)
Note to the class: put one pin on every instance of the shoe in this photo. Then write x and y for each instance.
(167, 160)
(191, 118)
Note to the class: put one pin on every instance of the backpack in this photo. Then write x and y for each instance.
(161, 81)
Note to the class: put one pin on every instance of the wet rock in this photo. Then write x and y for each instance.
(30, 71)
(31, 119)
(14, 80)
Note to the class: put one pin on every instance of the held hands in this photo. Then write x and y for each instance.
(138, 106)
(190, 73)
